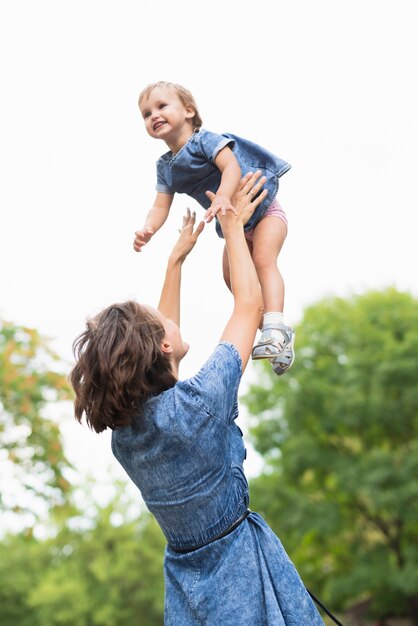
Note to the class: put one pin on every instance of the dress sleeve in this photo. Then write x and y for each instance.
(163, 177)
(215, 386)
(211, 144)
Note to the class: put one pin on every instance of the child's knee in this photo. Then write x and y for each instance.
(264, 262)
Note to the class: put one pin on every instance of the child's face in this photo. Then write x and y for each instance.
(164, 114)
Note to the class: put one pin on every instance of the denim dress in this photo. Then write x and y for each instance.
(185, 453)
(192, 169)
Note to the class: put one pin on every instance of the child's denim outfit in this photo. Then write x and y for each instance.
(185, 453)
(192, 170)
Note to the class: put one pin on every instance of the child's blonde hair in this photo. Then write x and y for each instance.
(183, 94)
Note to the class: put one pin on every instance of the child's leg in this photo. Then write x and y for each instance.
(276, 341)
(225, 268)
(269, 236)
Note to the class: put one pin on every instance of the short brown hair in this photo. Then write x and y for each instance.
(184, 95)
(119, 364)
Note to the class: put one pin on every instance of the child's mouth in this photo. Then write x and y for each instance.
(158, 125)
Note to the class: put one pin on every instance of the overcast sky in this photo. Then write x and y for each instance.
(329, 86)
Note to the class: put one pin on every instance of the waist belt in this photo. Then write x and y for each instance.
(224, 534)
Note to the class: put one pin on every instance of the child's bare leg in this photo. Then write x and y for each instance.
(269, 236)
(276, 341)
(225, 269)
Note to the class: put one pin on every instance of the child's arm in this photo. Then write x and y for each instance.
(231, 176)
(154, 220)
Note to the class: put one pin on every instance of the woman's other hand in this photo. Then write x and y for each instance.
(188, 237)
(245, 199)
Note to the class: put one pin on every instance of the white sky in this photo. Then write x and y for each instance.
(329, 86)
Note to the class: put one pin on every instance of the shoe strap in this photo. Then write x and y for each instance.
(280, 326)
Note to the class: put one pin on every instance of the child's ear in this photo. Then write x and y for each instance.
(190, 112)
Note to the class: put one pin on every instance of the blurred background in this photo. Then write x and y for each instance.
(332, 447)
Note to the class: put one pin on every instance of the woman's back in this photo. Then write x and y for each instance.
(185, 453)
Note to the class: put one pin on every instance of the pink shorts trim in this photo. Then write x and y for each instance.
(274, 210)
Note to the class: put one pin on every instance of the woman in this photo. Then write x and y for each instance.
(179, 443)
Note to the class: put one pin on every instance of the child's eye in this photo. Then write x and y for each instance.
(162, 105)
(147, 114)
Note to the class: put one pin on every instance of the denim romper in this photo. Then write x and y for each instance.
(192, 169)
(185, 454)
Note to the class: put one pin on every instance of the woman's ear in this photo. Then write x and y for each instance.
(166, 346)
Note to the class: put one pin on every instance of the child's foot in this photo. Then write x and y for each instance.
(284, 361)
(273, 341)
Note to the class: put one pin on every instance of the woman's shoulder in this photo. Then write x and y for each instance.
(224, 354)
(212, 391)
(215, 386)
(222, 370)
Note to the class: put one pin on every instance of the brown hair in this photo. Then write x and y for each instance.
(183, 94)
(119, 364)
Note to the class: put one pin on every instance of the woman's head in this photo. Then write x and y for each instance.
(121, 360)
(183, 94)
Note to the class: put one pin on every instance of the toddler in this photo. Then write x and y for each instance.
(208, 167)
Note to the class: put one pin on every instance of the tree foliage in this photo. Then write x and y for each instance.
(32, 458)
(109, 574)
(96, 566)
(339, 434)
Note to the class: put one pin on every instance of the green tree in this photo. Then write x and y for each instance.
(339, 434)
(102, 568)
(23, 558)
(97, 565)
(32, 459)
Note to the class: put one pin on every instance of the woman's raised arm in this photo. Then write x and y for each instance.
(248, 303)
(169, 304)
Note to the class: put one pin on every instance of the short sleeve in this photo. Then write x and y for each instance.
(163, 177)
(212, 143)
(215, 386)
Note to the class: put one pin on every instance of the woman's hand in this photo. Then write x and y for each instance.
(169, 304)
(244, 199)
(188, 237)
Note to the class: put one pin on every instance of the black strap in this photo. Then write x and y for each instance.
(224, 534)
(324, 608)
(229, 530)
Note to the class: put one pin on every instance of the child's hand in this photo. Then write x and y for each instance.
(249, 195)
(142, 237)
(220, 204)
